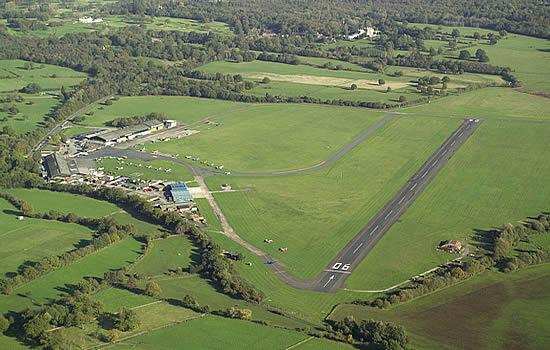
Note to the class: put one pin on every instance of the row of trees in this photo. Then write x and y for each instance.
(385, 335)
(127, 121)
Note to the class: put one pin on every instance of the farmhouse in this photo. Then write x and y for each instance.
(89, 20)
(451, 246)
(179, 192)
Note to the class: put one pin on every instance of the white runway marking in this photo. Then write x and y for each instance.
(412, 188)
(401, 200)
(330, 279)
(453, 143)
(356, 249)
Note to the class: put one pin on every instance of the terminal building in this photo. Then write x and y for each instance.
(180, 193)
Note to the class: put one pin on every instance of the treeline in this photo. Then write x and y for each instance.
(497, 244)
(213, 263)
(383, 335)
(107, 232)
(127, 121)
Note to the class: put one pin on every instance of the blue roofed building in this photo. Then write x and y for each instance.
(179, 192)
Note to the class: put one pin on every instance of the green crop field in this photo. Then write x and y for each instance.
(499, 175)
(31, 114)
(32, 239)
(206, 211)
(167, 255)
(44, 201)
(68, 132)
(15, 76)
(178, 172)
(183, 109)
(273, 137)
(481, 313)
(494, 103)
(53, 285)
(213, 332)
(315, 214)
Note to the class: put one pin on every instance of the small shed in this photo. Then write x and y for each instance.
(451, 246)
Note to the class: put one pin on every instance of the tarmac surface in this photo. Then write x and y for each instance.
(333, 277)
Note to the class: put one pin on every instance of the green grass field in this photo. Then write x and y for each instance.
(15, 76)
(179, 172)
(68, 132)
(143, 227)
(116, 299)
(44, 201)
(167, 255)
(32, 239)
(32, 112)
(184, 109)
(315, 214)
(213, 332)
(499, 175)
(53, 285)
(493, 103)
(275, 138)
(206, 211)
(481, 313)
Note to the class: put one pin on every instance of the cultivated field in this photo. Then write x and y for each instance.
(32, 239)
(480, 313)
(178, 172)
(166, 256)
(498, 176)
(497, 103)
(53, 285)
(267, 138)
(183, 109)
(15, 76)
(315, 214)
(44, 201)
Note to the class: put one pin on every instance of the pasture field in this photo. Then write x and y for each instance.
(487, 309)
(208, 294)
(493, 103)
(169, 23)
(499, 175)
(527, 56)
(178, 172)
(32, 112)
(53, 285)
(44, 201)
(167, 255)
(315, 214)
(213, 332)
(15, 76)
(206, 211)
(143, 227)
(32, 239)
(183, 109)
(272, 137)
(117, 298)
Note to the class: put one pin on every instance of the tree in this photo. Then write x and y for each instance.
(4, 324)
(455, 33)
(388, 89)
(242, 314)
(381, 82)
(27, 209)
(433, 51)
(402, 99)
(114, 336)
(477, 36)
(32, 88)
(127, 320)
(481, 55)
(266, 80)
(152, 289)
(464, 55)
(353, 86)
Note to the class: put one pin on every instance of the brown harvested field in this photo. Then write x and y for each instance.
(492, 311)
(329, 81)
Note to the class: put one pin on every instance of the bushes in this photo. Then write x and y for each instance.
(385, 334)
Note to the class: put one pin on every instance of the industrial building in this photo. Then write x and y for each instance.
(56, 166)
(180, 193)
(111, 137)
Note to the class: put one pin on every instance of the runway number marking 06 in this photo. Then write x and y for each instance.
(344, 267)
